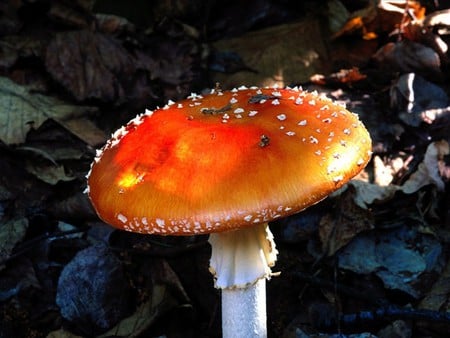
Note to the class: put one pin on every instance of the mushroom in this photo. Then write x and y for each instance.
(226, 164)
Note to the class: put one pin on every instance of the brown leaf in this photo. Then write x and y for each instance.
(363, 22)
(90, 65)
(113, 24)
(86, 130)
(74, 15)
(48, 172)
(144, 316)
(280, 55)
(338, 228)
(21, 110)
(344, 76)
(428, 170)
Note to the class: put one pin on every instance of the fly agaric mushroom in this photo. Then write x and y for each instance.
(225, 164)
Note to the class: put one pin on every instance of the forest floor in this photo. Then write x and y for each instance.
(372, 260)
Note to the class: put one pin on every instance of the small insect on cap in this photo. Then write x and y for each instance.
(226, 160)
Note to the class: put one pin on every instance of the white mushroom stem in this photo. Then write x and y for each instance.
(244, 311)
(240, 263)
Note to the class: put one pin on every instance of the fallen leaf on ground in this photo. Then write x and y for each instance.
(389, 255)
(11, 233)
(338, 227)
(90, 65)
(426, 173)
(409, 57)
(62, 334)
(280, 55)
(439, 296)
(428, 170)
(416, 99)
(21, 110)
(144, 315)
(48, 172)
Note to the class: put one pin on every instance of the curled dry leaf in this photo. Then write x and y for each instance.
(426, 173)
(20, 110)
(369, 193)
(48, 172)
(384, 173)
(428, 170)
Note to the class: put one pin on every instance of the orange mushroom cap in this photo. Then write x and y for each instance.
(226, 160)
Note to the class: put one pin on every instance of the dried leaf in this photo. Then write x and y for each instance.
(279, 55)
(439, 295)
(74, 15)
(356, 22)
(384, 173)
(11, 232)
(62, 334)
(416, 99)
(344, 76)
(86, 130)
(20, 110)
(338, 228)
(337, 15)
(390, 256)
(428, 170)
(113, 24)
(144, 315)
(90, 65)
(48, 172)
(401, 6)
(8, 55)
(368, 193)
(426, 173)
(409, 57)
